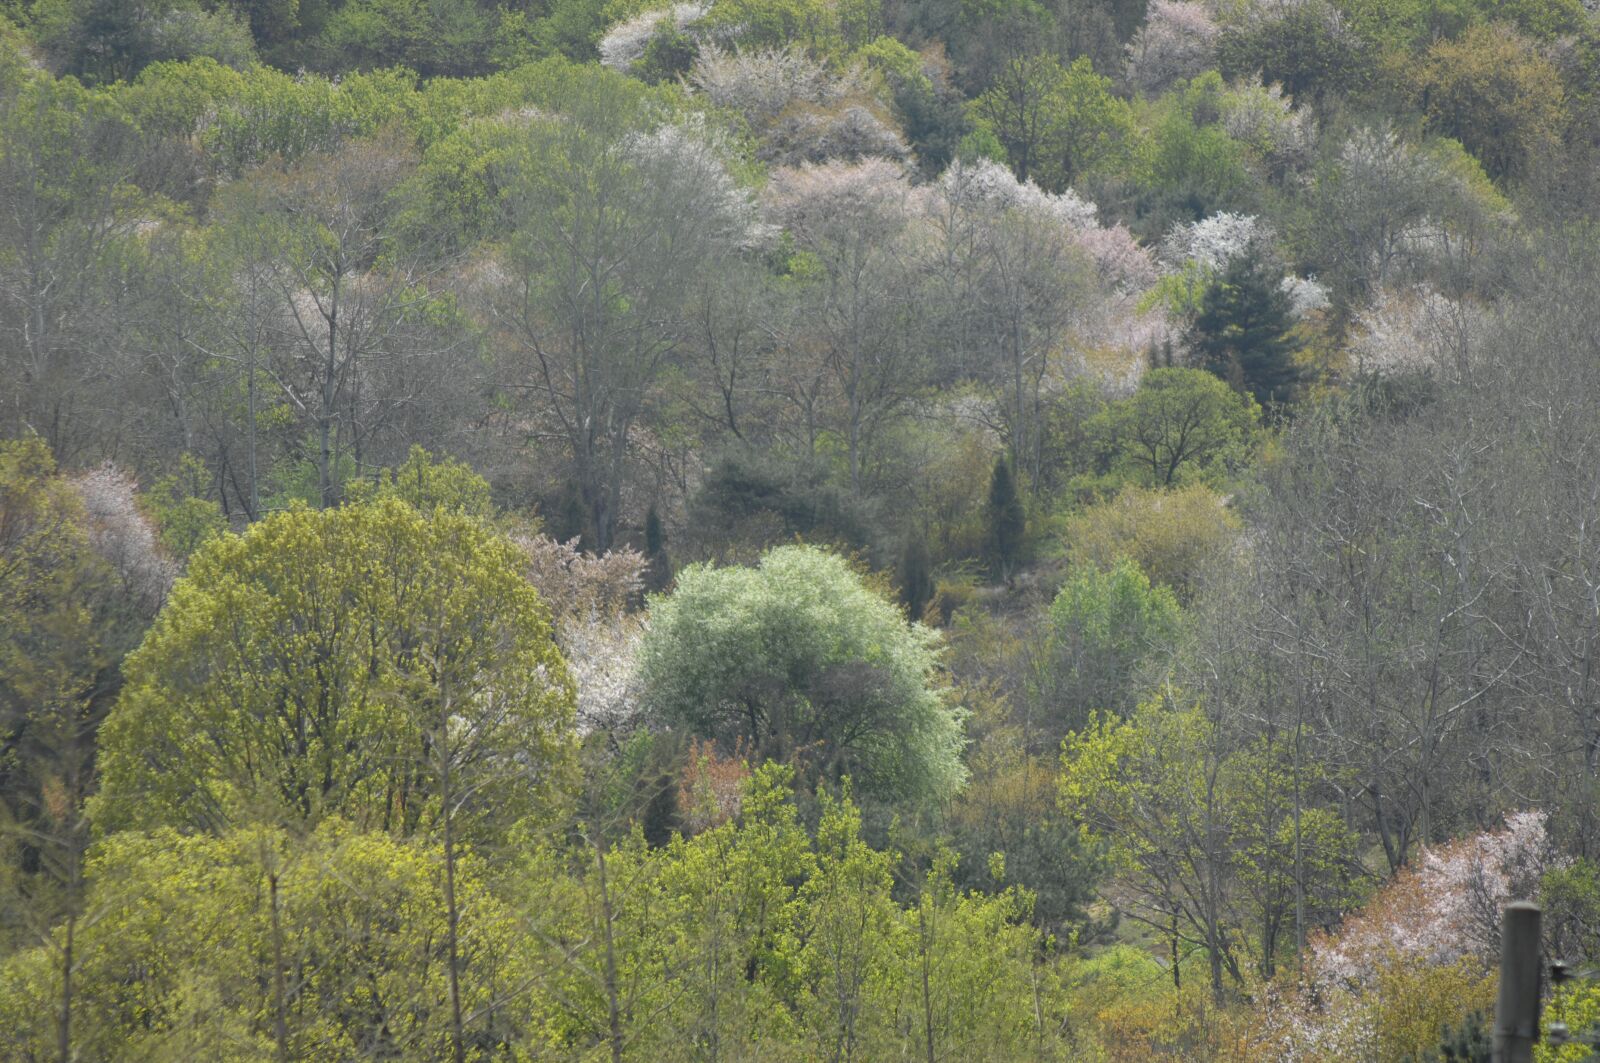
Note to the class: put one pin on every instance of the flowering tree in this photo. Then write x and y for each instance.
(1419, 329)
(800, 110)
(602, 194)
(125, 536)
(1419, 953)
(858, 312)
(625, 44)
(1443, 907)
(1177, 41)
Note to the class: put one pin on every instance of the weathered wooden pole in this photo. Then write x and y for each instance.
(1516, 1012)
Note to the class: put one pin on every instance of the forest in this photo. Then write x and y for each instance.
(795, 530)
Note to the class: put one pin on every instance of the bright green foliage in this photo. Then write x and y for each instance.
(850, 937)
(111, 40)
(751, 937)
(302, 670)
(427, 484)
(1105, 625)
(801, 659)
(177, 961)
(1208, 839)
(1274, 848)
(1056, 123)
(1149, 790)
(970, 973)
(1577, 1005)
(184, 514)
(1244, 332)
(1180, 426)
(1200, 162)
(1494, 92)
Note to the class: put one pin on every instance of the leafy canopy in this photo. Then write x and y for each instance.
(799, 657)
(300, 670)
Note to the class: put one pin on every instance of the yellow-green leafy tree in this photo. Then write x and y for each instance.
(369, 662)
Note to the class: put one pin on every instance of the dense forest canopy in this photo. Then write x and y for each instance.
(794, 529)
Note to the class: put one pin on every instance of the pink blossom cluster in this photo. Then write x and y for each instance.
(1124, 265)
(1443, 908)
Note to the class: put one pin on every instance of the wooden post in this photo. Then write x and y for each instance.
(1516, 1013)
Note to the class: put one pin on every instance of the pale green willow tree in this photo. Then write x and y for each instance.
(800, 659)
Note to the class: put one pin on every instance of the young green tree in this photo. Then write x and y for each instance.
(1056, 123)
(849, 932)
(1180, 426)
(1105, 625)
(802, 660)
(1151, 787)
(272, 944)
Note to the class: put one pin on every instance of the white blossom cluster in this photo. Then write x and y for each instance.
(872, 194)
(1442, 910)
(803, 112)
(1213, 242)
(693, 155)
(603, 654)
(759, 84)
(1417, 329)
(120, 532)
(1262, 117)
(1177, 41)
(986, 181)
(1123, 264)
(624, 44)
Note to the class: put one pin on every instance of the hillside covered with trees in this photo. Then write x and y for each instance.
(816, 530)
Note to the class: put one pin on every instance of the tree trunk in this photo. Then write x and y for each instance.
(280, 1013)
(613, 1004)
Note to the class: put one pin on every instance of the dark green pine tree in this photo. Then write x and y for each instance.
(1244, 332)
(1007, 522)
(658, 566)
(915, 575)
